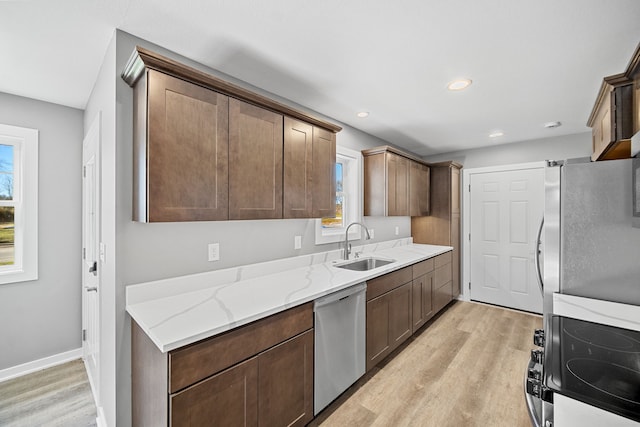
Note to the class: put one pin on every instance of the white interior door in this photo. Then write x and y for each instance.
(90, 254)
(506, 207)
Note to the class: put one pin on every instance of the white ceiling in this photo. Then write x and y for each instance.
(530, 61)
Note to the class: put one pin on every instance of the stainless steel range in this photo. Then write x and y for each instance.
(587, 369)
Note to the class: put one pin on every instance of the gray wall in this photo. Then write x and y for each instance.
(152, 251)
(42, 318)
(553, 148)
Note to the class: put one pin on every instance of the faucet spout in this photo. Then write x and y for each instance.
(347, 246)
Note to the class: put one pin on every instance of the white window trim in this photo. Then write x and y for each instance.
(25, 142)
(324, 236)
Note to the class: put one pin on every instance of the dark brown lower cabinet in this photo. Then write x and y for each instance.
(401, 302)
(260, 374)
(389, 323)
(421, 300)
(285, 383)
(442, 296)
(229, 398)
(273, 389)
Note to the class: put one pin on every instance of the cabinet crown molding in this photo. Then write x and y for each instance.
(390, 149)
(142, 59)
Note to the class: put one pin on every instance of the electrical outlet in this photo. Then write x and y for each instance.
(297, 242)
(397, 230)
(214, 251)
(371, 233)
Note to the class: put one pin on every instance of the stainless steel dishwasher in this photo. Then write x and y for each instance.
(339, 355)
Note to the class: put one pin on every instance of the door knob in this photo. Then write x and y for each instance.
(94, 268)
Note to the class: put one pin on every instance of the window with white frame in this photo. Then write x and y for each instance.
(348, 199)
(18, 204)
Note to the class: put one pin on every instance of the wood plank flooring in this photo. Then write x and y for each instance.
(57, 396)
(465, 368)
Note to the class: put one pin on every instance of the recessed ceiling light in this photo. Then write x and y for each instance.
(459, 84)
(363, 114)
(551, 125)
(496, 134)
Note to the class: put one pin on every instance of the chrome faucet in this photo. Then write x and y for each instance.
(347, 245)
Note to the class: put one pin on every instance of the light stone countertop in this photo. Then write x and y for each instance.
(180, 311)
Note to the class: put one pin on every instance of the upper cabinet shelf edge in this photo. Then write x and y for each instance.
(142, 59)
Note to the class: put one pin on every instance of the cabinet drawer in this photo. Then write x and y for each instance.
(443, 259)
(382, 284)
(423, 267)
(200, 360)
(442, 275)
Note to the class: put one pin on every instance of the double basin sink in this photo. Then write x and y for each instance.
(364, 264)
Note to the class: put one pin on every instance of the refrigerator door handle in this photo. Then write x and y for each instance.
(537, 256)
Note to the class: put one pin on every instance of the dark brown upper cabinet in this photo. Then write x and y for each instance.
(611, 120)
(180, 162)
(255, 162)
(207, 150)
(419, 187)
(396, 183)
(309, 170)
(615, 117)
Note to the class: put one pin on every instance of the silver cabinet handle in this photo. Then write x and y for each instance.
(91, 289)
(537, 256)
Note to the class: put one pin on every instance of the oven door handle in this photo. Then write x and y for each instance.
(537, 256)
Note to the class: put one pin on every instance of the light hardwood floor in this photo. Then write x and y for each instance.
(464, 368)
(57, 396)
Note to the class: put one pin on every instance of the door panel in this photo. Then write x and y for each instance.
(255, 162)
(506, 207)
(91, 268)
(285, 383)
(298, 161)
(229, 398)
(187, 151)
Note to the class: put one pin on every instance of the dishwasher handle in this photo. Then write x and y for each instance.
(340, 295)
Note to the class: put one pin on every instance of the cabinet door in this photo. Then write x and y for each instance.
(397, 185)
(455, 190)
(285, 383)
(389, 321)
(298, 165)
(400, 319)
(186, 155)
(324, 174)
(455, 261)
(229, 398)
(419, 189)
(378, 345)
(422, 309)
(255, 162)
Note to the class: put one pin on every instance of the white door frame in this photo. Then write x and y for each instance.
(466, 206)
(93, 136)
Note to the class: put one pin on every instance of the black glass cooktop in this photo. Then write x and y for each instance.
(596, 364)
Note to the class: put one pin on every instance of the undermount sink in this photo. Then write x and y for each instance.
(365, 264)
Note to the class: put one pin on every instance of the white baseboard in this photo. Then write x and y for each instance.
(101, 420)
(40, 364)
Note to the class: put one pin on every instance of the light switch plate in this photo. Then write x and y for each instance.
(371, 233)
(397, 230)
(297, 242)
(214, 251)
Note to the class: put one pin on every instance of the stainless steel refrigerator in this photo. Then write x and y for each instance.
(590, 258)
